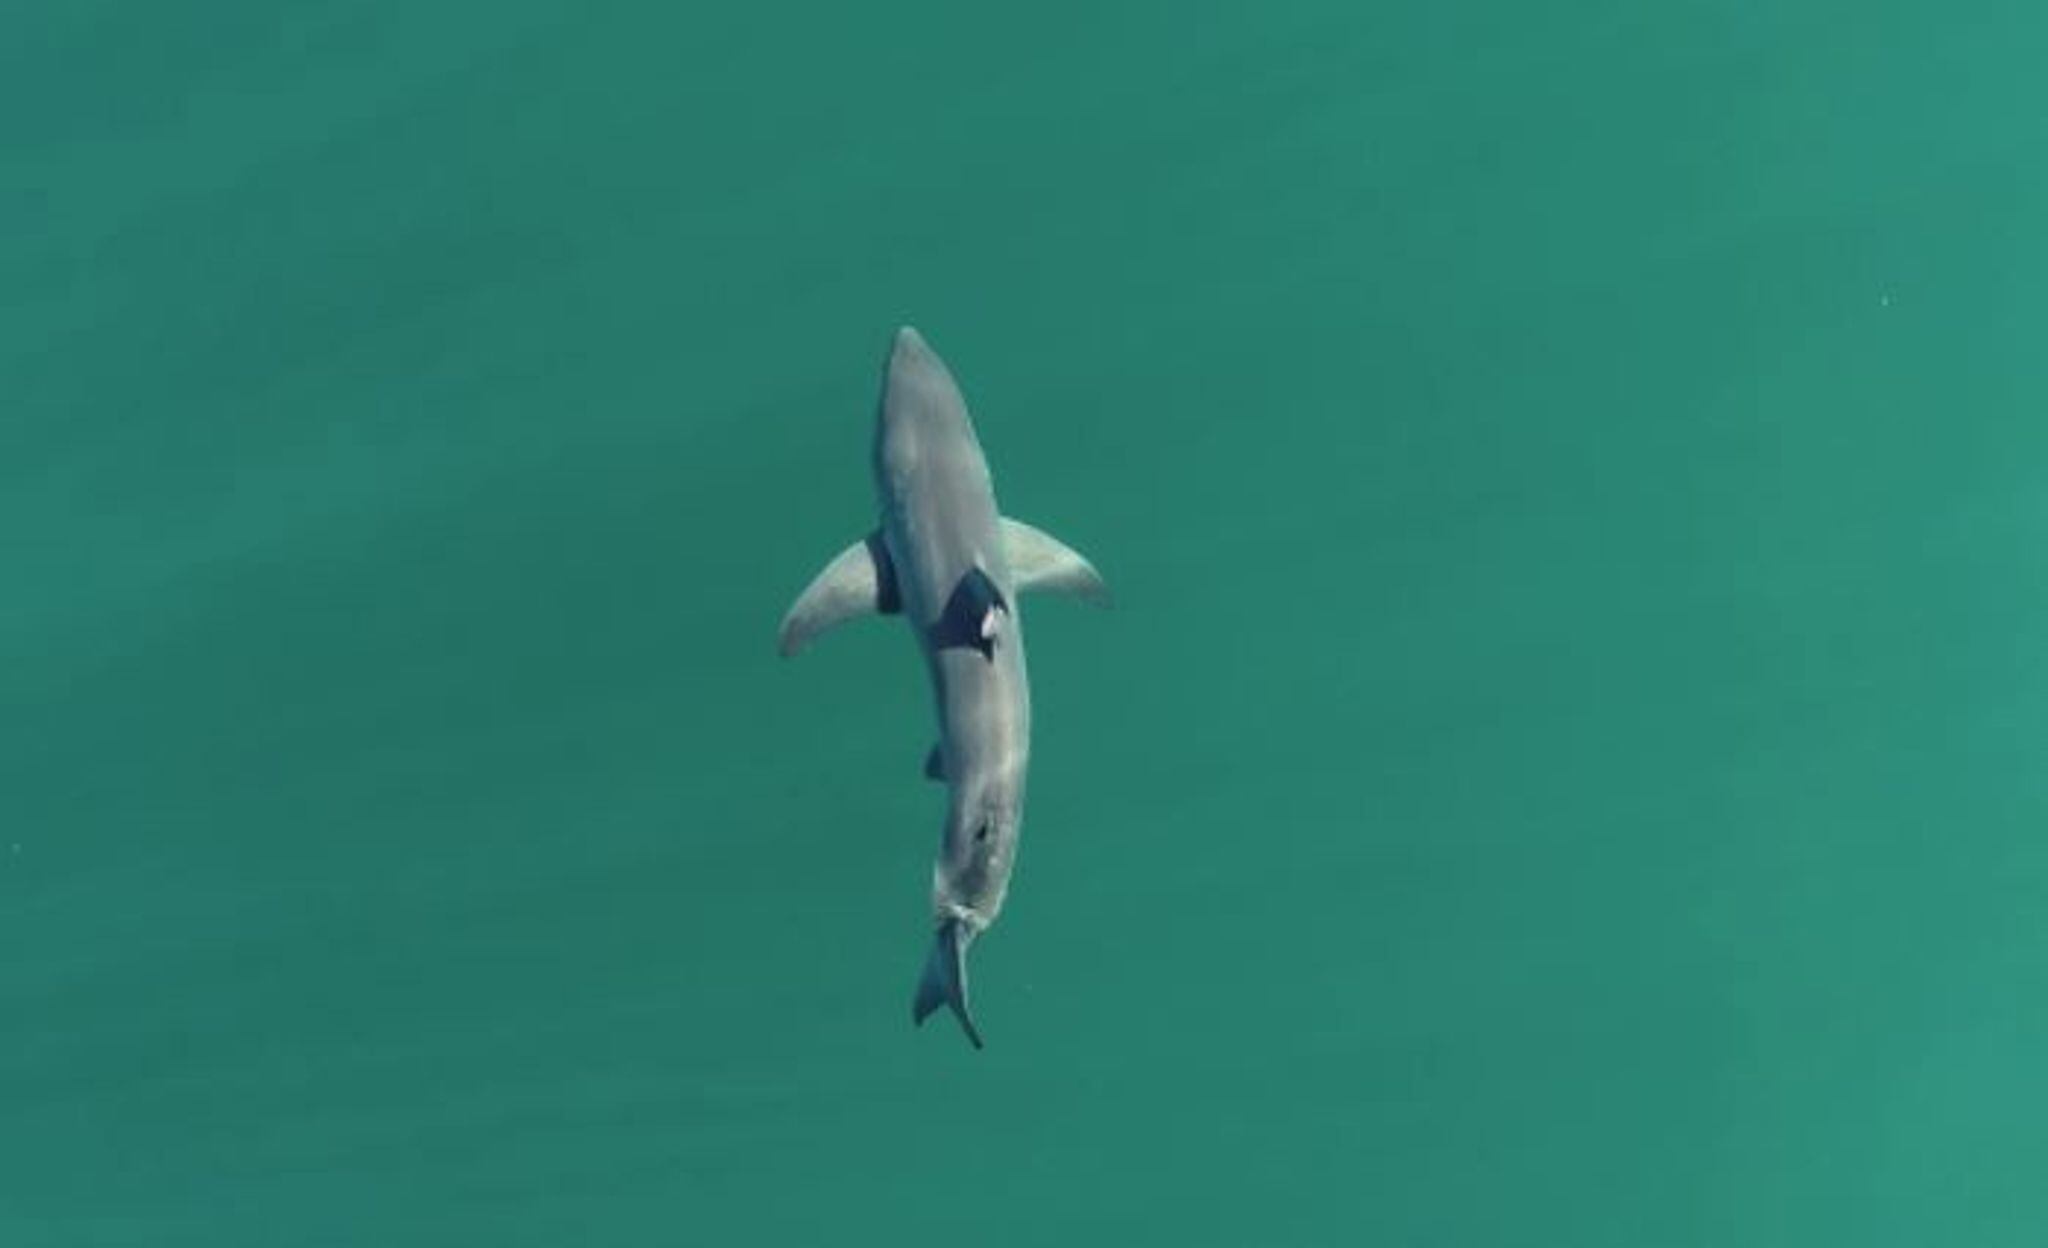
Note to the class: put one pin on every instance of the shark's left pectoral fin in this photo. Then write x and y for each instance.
(858, 581)
(1038, 560)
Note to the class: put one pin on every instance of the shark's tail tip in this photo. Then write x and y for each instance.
(945, 980)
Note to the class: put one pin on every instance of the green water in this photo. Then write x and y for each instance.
(1565, 767)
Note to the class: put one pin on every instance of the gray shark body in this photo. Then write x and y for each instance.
(946, 558)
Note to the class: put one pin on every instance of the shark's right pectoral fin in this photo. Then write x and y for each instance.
(858, 581)
(1040, 561)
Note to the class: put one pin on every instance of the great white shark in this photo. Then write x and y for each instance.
(946, 558)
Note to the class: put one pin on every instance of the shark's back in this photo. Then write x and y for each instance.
(938, 502)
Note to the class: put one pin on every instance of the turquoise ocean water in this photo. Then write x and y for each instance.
(1565, 767)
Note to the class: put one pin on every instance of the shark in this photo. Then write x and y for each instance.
(945, 558)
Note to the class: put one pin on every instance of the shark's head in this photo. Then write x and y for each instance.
(922, 418)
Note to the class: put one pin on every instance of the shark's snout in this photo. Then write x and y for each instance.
(908, 344)
(922, 415)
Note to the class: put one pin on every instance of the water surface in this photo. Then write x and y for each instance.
(1564, 769)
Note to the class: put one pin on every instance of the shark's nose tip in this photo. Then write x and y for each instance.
(908, 339)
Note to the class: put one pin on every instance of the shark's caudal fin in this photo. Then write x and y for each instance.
(945, 979)
(858, 581)
(1038, 560)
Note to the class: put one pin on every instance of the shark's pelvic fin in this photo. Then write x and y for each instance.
(973, 615)
(945, 979)
(858, 581)
(1038, 560)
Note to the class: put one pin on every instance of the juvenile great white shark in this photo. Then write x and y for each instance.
(952, 564)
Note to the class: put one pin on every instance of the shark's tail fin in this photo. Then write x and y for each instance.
(945, 979)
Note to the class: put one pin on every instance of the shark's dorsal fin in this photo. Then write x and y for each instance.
(1038, 560)
(858, 581)
(973, 615)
